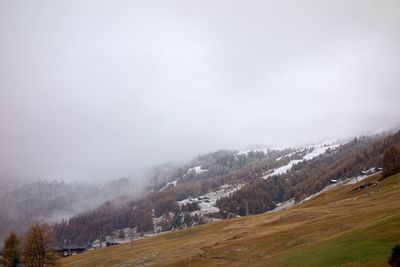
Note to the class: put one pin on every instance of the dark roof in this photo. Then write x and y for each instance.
(72, 247)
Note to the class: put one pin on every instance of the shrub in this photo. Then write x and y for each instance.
(394, 259)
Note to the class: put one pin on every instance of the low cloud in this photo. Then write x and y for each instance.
(101, 90)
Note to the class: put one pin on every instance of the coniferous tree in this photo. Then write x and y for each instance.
(37, 250)
(11, 251)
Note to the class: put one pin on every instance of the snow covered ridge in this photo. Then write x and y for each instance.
(316, 150)
(257, 148)
(196, 169)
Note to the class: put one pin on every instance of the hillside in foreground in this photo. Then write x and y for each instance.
(342, 226)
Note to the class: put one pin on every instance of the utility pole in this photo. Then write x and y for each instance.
(132, 227)
(359, 186)
(368, 190)
(101, 238)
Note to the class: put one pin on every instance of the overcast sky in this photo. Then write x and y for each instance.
(100, 89)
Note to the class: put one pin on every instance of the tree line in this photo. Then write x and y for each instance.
(257, 196)
(35, 249)
(113, 215)
(309, 177)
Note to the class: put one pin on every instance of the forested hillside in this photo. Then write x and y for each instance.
(340, 227)
(204, 174)
(50, 201)
(311, 176)
(175, 198)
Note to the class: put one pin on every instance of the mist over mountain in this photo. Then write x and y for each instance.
(95, 91)
(51, 201)
(124, 120)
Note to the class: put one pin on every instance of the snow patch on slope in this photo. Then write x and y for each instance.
(319, 150)
(197, 169)
(316, 151)
(365, 174)
(257, 148)
(173, 183)
(289, 155)
(207, 201)
(283, 169)
(284, 205)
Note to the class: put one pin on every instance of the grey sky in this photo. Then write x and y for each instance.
(99, 89)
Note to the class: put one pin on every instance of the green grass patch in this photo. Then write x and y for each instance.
(368, 246)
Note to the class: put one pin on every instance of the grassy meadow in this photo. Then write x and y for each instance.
(340, 227)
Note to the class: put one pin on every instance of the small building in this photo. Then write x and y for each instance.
(111, 243)
(71, 250)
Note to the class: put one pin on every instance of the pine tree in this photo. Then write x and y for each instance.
(11, 251)
(37, 250)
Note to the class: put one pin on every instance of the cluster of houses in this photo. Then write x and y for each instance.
(66, 251)
(72, 250)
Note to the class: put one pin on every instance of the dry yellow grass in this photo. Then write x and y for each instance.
(339, 227)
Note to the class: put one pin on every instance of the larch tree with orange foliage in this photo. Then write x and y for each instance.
(37, 249)
(11, 251)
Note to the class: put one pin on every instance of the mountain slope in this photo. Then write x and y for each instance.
(342, 226)
(248, 180)
(51, 201)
